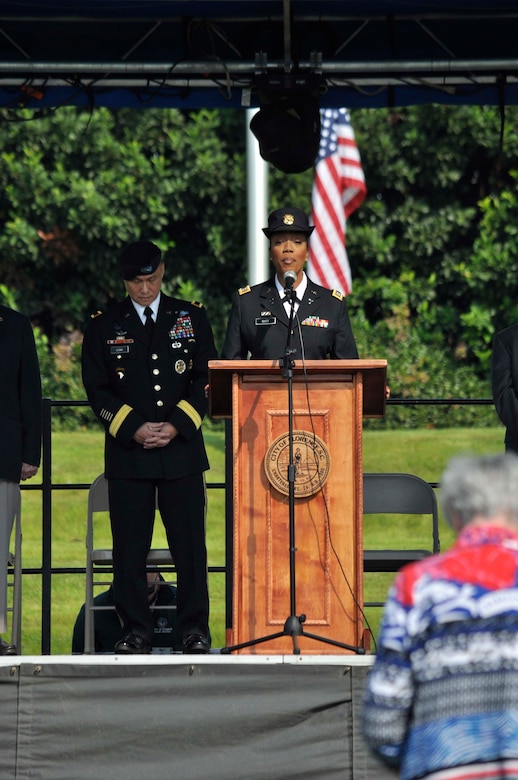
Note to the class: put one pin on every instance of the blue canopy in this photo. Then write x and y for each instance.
(228, 53)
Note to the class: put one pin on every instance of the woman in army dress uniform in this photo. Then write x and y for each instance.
(259, 318)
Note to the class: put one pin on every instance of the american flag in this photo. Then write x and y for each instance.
(338, 189)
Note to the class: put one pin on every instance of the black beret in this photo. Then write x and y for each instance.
(288, 220)
(139, 259)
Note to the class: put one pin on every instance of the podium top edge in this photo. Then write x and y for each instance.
(221, 373)
(331, 365)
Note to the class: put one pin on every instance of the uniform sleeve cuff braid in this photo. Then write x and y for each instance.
(119, 418)
(191, 413)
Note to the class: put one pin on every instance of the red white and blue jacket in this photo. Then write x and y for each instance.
(443, 691)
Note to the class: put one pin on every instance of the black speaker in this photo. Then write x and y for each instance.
(288, 130)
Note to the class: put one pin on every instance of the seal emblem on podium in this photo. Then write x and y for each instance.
(311, 460)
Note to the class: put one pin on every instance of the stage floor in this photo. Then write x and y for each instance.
(160, 716)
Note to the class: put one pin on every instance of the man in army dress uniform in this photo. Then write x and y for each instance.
(20, 430)
(145, 372)
(259, 318)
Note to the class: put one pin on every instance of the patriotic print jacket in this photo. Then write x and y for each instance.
(443, 691)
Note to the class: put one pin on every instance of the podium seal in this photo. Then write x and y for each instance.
(311, 459)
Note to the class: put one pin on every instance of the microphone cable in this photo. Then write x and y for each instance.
(322, 492)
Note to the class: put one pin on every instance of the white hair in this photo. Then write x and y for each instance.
(480, 486)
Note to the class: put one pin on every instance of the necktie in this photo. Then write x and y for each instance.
(287, 300)
(149, 323)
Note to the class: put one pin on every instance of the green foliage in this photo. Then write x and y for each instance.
(433, 248)
(61, 381)
(417, 370)
(77, 187)
(432, 174)
(7, 297)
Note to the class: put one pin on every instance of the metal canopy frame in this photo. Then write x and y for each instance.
(367, 53)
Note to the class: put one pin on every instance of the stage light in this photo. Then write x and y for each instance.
(287, 124)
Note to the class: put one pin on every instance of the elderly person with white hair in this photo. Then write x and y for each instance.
(441, 700)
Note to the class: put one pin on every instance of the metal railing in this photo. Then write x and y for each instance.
(47, 571)
(439, 402)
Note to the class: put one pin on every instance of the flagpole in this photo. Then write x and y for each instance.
(257, 199)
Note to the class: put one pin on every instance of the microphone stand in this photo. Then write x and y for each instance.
(293, 626)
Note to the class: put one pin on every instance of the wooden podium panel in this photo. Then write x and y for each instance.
(327, 434)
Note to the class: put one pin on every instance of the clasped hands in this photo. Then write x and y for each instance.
(155, 434)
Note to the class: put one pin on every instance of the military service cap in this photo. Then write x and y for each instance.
(288, 220)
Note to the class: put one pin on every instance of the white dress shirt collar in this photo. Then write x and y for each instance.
(153, 306)
(301, 289)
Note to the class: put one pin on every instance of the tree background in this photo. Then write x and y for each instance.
(433, 248)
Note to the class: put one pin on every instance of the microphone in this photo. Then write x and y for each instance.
(290, 277)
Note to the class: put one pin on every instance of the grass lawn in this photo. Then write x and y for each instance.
(78, 458)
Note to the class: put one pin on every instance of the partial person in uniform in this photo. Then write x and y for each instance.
(20, 431)
(441, 701)
(504, 379)
(145, 370)
(108, 629)
(259, 318)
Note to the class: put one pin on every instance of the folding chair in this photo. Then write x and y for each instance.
(405, 495)
(101, 559)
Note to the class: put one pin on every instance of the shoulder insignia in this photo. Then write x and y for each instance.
(97, 313)
(337, 294)
(243, 290)
(197, 304)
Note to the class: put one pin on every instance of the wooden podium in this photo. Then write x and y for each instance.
(330, 398)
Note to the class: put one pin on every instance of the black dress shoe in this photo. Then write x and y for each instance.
(132, 644)
(7, 649)
(196, 643)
